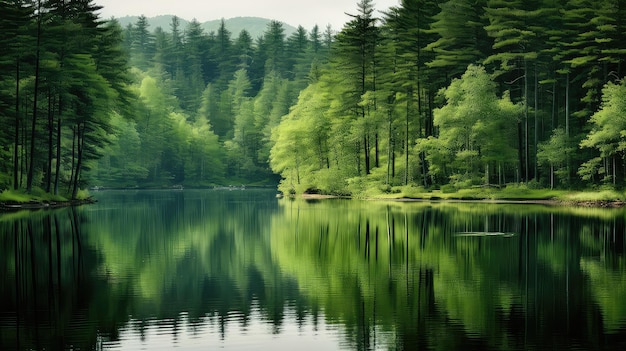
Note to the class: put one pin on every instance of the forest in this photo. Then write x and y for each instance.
(429, 94)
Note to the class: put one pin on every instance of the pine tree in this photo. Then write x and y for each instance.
(243, 50)
(355, 61)
(223, 55)
(296, 49)
(408, 33)
(461, 37)
(142, 44)
(517, 44)
(195, 63)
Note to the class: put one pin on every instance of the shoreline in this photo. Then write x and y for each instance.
(546, 202)
(14, 206)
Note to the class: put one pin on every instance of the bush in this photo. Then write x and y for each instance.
(534, 184)
(448, 189)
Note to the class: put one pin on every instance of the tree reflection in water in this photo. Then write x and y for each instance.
(234, 269)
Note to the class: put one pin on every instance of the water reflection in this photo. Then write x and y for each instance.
(243, 270)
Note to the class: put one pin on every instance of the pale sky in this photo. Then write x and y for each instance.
(293, 12)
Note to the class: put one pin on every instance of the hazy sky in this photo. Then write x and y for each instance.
(294, 12)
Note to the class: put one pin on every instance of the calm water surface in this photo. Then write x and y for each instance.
(236, 270)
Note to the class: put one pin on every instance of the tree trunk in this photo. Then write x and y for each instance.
(72, 168)
(377, 151)
(79, 159)
(536, 141)
(526, 132)
(358, 158)
(58, 149)
(366, 153)
(31, 164)
(389, 146)
(567, 122)
(567, 105)
(58, 152)
(406, 142)
(16, 140)
(520, 150)
(554, 107)
(50, 142)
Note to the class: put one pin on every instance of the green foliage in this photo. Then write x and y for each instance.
(607, 135)
(475, 128)
(521, 83)
(36, 194)
(15, 195)
(555, 153)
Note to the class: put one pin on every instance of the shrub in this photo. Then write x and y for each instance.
(448, 189)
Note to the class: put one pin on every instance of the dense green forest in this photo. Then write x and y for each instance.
(432, 94)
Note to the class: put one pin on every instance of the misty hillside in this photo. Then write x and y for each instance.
(254, 25)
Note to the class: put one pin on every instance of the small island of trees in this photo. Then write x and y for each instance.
(425, 95)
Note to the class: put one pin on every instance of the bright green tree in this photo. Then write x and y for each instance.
(302, 151)
(477, 128)
(607, 135)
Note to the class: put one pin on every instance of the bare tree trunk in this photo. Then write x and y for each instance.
(536, 168)
(567, 122)
(31, 164)
(406, 143)
(366, 153)
(50, 142)
(526, 137)
(16, 140)
(58, 149)
(377, 151)
(72, 169)
(389, 146)
(79, 161)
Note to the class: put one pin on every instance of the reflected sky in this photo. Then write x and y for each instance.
(233, 332)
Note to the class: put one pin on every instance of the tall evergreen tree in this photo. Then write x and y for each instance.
(517, 44)
(15, 24)
(142, 44)
(409, 33)
(243, 50)
(355, 59)
(461, 37)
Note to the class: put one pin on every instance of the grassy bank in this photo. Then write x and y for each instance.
(19, 199)
(510, 193)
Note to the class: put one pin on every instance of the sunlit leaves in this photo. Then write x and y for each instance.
(475, 126)
(301, 142)
(608, 130)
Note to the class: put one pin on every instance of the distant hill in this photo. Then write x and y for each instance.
(254, 25)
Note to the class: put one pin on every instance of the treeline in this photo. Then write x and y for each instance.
(62, 71)
(461, 93)
(207, 103)
(434, 94)
(85, 102)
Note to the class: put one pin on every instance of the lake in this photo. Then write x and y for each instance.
(243, 270)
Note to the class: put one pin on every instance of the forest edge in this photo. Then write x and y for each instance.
(12, 206)
(431, 197)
